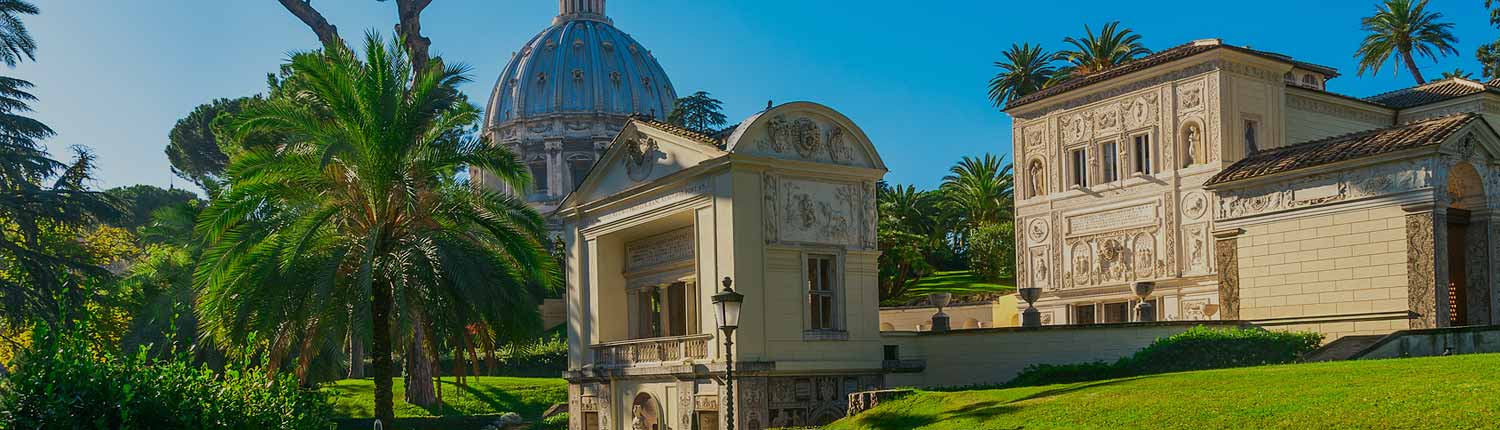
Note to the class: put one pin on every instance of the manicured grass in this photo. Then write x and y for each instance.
(956, 282)
(1415, 393)
(485, 395)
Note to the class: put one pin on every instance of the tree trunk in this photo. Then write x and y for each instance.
(1412, 66)
(356, 353)
(303, 10)
(410, 28)
(473, 352)
(380, 349)
(490, 363)
(419, 389)
(458, 367)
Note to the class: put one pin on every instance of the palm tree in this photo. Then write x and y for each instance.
(1404, 29)
(980, 190)
(1110, 47)
(1457, 73)
(15, 41)
(698, 112)
(1025, 70)
(359, 208)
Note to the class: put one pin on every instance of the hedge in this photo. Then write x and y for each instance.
(1198, 348)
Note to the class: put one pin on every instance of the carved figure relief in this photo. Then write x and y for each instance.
(1144, 250)
(1082, 263)
(1190, 96)
(1041, 271)
(1325, 189)
(821, 212)
(1074, 128)
(1036, 178)
(1193, 151)
(838, 148)
(1194, 205)
(640, 156)
(1141, 111)
(1037, 230)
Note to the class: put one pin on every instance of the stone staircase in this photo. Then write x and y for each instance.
(1343, 349)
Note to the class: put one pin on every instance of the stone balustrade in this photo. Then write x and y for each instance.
(651, 351)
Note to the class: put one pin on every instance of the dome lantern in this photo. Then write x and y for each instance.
(592, 10)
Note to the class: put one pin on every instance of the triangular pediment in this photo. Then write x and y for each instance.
(641, 153)
(1477, 140)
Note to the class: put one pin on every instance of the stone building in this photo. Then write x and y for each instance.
(565, 94)
(1241, 186)
(784, 204)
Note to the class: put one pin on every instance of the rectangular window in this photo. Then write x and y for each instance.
(821, 293)
(1116, 312)
(1083, 314)
(590, 420)
(1109, 152)
(1252, 130)
(539, 177)
(1143, 154)
(707, 420)
(1078, 165)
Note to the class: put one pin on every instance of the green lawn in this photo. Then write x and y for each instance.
(1416, 393)
(484, 395)
(956, 282)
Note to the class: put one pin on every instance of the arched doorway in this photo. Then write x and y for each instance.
(645, 413)
(1468, 248)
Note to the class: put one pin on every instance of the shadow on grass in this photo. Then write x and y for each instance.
(975, 412)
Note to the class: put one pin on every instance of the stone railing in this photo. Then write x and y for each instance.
(652, 351)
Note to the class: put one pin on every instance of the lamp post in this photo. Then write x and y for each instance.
(727, 313)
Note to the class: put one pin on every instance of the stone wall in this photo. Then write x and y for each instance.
(999, 313)
(1339, 273)
(1439, 341)
(994, 356)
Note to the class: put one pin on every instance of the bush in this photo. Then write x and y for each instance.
(1198, 348)
(64, 384)
(992, 251)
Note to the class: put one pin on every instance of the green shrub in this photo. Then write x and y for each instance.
(992, 251)
(1198, 348)
(64, 384)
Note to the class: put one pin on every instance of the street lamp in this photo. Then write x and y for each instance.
(727, 313)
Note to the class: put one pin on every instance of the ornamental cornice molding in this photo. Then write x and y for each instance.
(1318, 106)
(1160, 79)
(1324, 189)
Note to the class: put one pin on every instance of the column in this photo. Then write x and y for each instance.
(1427, 265)
(555, 168)
(1479, 267)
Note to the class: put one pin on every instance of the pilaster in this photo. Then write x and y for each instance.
(1427, 265)
(1226, 255)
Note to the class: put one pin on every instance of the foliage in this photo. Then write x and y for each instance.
(359, 209)
(1359, 394)
(1026, 69)
(698, 112)
(1198, 348)
(15, 41)
(980, 190)
(1489, 54)
(483, 395)
(141, 201)
(194, 147)
(903, 260)
(1457, 73)
(992, 251)
(1403, 29)
(1110, 47)
(67, 384)
(555, 422)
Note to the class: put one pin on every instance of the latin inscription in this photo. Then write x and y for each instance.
(1114, 219)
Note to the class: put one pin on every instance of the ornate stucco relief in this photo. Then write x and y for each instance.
(809, 138)
(664, 249)
(1421, 269)
(1325, 189)
(812, 211)
(1153, 81)
(1226, 252)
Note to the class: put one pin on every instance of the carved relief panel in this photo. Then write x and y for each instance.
(809, 138)
(1115, 246)
(1325, 189)
(812, 211)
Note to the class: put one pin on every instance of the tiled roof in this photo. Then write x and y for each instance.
(1346, 147)
(1432, 92)
(1160, 57)
(674, 129)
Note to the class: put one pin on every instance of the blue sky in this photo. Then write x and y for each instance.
(116, 75)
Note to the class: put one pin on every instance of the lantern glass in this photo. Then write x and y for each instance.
(727, 307)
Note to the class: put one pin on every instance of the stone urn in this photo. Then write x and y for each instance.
(940, 319)
(1030, 317)
(1144, 311)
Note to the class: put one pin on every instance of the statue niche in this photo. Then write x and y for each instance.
(1036, 178)
(1193, 151)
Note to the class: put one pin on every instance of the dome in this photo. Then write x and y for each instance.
(582, 64)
